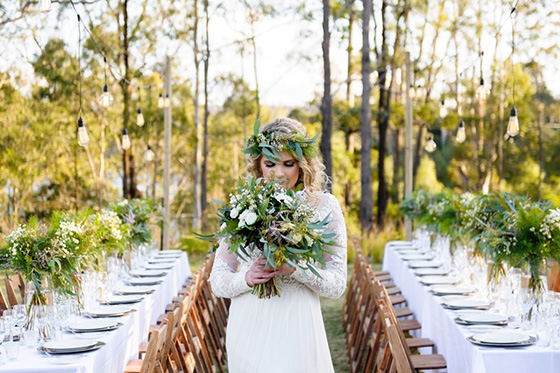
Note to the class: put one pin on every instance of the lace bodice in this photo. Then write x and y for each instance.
(228, 273)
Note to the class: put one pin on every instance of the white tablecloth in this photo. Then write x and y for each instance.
(450, 338)
(121, 344)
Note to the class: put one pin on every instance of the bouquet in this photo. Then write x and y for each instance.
(280, 223)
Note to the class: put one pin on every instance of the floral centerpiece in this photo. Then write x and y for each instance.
(46, 258)
(109, 232)
(280, 223)
(136, 213)
(527, 236)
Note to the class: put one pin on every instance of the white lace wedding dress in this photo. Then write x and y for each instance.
(282, 334)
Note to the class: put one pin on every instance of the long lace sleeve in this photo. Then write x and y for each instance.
(334, 274)
(226, 278)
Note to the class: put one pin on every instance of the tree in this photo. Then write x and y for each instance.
(366, 203)
(326, 102)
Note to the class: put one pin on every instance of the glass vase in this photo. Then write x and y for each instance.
(38, 305)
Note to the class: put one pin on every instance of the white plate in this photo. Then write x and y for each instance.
(161, 261)
(69, 344)
(121, 299)
(142, 281)
(109, 311)
(431, 272)
(483, 328)
(48, 351)
(424, 264)
(158, 266)
(416, 257)
(134, 290)
(502, 337)
(170, 253)
(482, 318)
(466, 303)
(439, 280)
(147, 273)
(93, 325)
(451, 290)
(411, 252)
(406, 248)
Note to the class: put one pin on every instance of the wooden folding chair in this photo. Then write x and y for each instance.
(15, 289)
(148, 363)
(397, 358)
(419, 362)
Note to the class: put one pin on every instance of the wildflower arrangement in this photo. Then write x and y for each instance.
(271, 143)
(279, 223)
(44, 255)
(136, 214)
(110, 233)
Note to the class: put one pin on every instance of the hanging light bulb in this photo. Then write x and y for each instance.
(139, 118)
(481, 91)
(167, 101)
(411, 91)
(45, 6)
(125, 140)
(430, 145)
(83, 138)
(513, 124)
(443, 110)
(149, 154)
(106, 99)
(161, 102)
(461, 135)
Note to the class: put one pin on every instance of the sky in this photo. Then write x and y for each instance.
(290, 69)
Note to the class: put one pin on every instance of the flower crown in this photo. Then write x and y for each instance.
(271, 143)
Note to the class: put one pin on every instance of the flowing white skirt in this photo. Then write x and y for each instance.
(282, 334)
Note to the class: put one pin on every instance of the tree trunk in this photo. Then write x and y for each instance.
(396, 164)
(417, 153)
(383, 121)
(326, 103)
(197, 213)
(349, 50)
(366, 203)
(206, 113)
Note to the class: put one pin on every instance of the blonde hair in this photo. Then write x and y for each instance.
(312, 169)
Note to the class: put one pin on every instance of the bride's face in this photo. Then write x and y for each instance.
(287, 169)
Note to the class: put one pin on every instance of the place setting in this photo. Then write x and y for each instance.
(92, 325)
(109, 311)
(481, 318)
(439, 280)
(70, 346)
(431, 272)
(147, 273)
(121, 299)
(466, 303)
(424, 264)
(451, 290)
(502, 338)
(143, 281)
(133, 289)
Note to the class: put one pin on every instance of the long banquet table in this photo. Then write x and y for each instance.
(451, 338)
(121, 344)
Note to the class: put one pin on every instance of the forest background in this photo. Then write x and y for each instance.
(337, 66)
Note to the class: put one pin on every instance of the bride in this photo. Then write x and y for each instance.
(286, 333)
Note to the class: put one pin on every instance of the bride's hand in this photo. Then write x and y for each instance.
(284, 270)
(258, 274)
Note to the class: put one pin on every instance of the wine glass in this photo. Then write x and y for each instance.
(20, 315)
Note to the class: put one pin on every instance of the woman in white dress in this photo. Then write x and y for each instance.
(284, 333)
